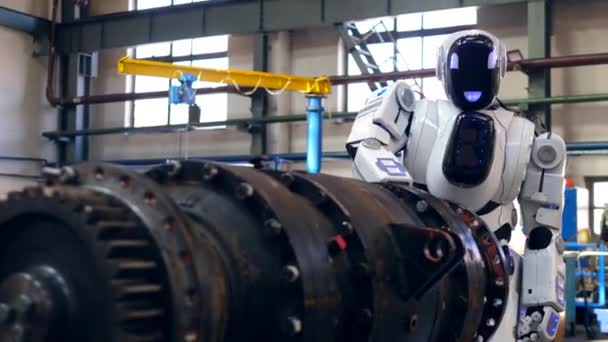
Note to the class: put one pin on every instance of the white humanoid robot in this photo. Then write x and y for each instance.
(469, 151)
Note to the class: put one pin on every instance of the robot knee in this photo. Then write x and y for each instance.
(540, 238)
(504, 232)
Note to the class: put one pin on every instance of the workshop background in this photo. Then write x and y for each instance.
(575, 97)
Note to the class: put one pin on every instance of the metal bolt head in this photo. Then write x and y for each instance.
(209, 171)
(175, 168)
(23, 304)
(294, 326)
(347, 228)
(6, 313)
(497, 259)
(244, 191)
(291, 273)
(191, 337)
(422, 206)
(273, 227)
(412, 323)
(365, 316)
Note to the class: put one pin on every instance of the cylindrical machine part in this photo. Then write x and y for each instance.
(314, 134)
(196, 251)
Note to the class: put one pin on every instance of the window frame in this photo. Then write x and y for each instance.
(130, 108)
(589, 184)
(398, 35)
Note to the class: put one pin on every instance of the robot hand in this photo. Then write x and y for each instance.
(539, 324)
(374, 163)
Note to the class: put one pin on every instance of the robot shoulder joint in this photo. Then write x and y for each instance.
(549, 151)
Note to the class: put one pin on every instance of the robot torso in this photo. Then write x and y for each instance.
(477, 159)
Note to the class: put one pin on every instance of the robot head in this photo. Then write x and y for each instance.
(471, 65)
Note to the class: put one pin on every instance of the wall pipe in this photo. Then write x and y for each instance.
(50, 79)
(176, 128)
(560, 99)
(24, 159)
(290, 118)
(124, 97)
(525, 65)
(573, 148)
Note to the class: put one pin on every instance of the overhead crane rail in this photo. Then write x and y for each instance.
(237, 78)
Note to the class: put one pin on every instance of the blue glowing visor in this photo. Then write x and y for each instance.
(472, 96)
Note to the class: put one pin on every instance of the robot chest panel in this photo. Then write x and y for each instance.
(469, 151)
(460, 156)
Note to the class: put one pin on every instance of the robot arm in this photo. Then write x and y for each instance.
(543, 277)
(379, 132)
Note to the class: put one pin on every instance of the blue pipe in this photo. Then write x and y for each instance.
(227, 159)
(588, 146)
(24, 159)
(573, 147)
(314, 142)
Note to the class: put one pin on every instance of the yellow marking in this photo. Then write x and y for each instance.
(237, 78)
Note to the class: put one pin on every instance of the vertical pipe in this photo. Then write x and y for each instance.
(280, 61)
(314, 143)
(602, 285)
(259, 100)
(539, 46)
(571, 294)
(342, 90)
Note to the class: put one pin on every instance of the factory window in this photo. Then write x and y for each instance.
(211, 52)
(417, 37)
(598, 187)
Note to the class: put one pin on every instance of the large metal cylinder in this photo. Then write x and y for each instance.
(195, 251)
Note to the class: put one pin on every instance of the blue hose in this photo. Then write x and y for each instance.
(314, 144)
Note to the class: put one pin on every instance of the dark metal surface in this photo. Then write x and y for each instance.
(170, 230)
(218, 17)
(36, 26)
(497, 291)
(79, 246)
(195, 251)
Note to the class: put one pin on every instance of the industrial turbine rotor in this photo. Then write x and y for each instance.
(196, 251)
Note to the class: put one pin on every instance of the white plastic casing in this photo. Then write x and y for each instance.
(543, 277)
(473, 198)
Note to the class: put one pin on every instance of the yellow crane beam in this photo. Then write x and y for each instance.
(241, 78)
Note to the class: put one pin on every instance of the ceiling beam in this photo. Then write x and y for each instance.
(23, 22)
(216, 17)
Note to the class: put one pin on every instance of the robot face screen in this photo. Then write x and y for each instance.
(473, 72)
(469, 156)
